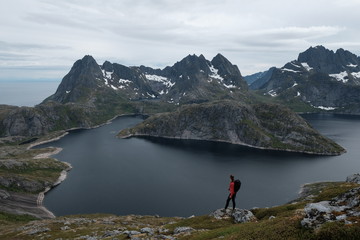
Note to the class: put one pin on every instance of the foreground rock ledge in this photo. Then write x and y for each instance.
(238, 215)
(263, 126)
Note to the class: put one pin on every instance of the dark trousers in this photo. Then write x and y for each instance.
(228, 201)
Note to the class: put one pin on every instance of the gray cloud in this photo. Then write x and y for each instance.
(253, 34)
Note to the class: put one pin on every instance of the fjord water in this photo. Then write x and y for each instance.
(151, 176)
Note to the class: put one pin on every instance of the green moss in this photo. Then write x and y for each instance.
(284, 228)
(283, 210)
(200, 222)
(333, 190)
(6, 218)
(337, 231)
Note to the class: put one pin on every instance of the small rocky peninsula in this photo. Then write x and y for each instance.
(264, 126)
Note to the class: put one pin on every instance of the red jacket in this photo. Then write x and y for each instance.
(231, 189)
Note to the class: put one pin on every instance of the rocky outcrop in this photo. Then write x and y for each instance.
(23, 204)
(44, 118)
(261, 125)
(340, 209)
(355, 178)
(238, 215)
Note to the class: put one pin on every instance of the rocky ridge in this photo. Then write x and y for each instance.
(263, 126)
(319, 79)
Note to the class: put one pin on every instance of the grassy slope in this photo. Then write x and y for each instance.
(42, 172)
(285, 225)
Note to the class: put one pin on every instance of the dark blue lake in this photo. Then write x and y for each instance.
(151, 176)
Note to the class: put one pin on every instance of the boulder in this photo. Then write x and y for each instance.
(339, 209)
(238, 215)
(354, 178)
(180, 230)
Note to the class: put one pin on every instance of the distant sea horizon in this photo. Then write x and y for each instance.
(25, 92)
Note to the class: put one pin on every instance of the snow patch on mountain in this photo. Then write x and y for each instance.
(106, 74)
(295, 65)
(295, 84)
(306, 66)
(288, 70)
(214, 73)
(272, 93)
(229, 86)
(341, 77)
(325, 108)
(167, 82)
(356, 74)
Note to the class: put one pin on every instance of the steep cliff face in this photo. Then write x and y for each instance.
(261, 126)
(83, 78)
(40, 120)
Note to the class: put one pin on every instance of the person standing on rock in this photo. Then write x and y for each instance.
(232, 194)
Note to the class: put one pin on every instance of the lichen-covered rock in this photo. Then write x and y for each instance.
(147, 230)
(180, 230)
(354, 178)
(339, 209)
(238, 215)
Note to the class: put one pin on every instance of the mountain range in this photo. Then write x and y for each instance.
(193, 79)
(320, 79)
(91, 93)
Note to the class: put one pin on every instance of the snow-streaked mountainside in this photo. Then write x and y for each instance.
(193, 79)
(320, 78)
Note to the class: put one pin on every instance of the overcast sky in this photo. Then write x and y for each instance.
(41, 39)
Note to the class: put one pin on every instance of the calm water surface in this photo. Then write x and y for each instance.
(182, 178)
(26, 93)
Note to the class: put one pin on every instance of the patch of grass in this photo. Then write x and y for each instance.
(337, 231)
(333, 190)
(279, 211)
(6, 218)
(201, 222)
(278, 228)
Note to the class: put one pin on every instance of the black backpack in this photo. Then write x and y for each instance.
(237, 185)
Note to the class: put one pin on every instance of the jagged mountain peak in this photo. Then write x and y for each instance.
(107, 66)
(191, 65)
(220, 58)
(327, 61)
(191, 59)
(224, 65)
(87, 61)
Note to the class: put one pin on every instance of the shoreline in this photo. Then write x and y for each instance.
(63, 174)
(239, 144)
